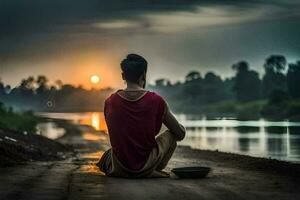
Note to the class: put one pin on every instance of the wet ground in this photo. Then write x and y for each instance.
(233, 177)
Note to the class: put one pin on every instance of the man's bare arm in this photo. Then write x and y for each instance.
(173, 125)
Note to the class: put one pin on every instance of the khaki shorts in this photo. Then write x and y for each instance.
(157, 160)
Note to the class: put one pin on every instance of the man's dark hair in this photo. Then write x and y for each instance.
(133, 67)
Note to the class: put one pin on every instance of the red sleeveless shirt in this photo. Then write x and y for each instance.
(132, 127)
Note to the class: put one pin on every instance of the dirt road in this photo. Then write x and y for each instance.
(233, 177)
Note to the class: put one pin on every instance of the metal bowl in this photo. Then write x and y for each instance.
(191, 172)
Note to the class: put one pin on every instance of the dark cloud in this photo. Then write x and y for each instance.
(34, 30)
(28, 23)
(34, 16)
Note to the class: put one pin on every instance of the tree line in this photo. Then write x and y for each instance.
(276, 91)
(37, 94)
(278, 88)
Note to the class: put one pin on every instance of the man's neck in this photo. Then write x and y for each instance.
(133, 86)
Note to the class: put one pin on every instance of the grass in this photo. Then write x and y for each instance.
(10, 120)
(250, 110)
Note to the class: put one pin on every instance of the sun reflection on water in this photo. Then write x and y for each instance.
(94, 137)
(96, 120)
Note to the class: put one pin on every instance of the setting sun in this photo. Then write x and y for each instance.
(95, 79)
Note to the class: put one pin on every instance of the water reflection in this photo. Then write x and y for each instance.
(276, 139)
(260, 138)
(50, 130)
(93, 137)
(94, 119)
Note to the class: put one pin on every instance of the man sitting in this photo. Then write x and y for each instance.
(134, 117)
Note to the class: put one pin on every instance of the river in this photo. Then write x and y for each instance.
(260, 138)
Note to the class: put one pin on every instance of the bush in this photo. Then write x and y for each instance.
(17, 121)
(294, 110)
(250, 110)
(277, 106)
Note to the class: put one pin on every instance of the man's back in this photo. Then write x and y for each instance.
(133, 124)
(134, 118)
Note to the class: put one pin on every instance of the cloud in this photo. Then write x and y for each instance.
(27, 18)
(206, 17)
(204, 14)
(42, 30)
(117, 24)
(23, 19)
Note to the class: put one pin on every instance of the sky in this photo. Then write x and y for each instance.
(72, 40)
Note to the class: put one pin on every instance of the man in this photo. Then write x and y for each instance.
(134, 117)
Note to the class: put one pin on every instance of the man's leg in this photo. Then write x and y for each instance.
(105, 161)
(167, 144)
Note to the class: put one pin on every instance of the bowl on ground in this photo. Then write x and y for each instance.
(191, 172)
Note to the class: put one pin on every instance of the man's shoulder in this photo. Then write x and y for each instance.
(111, 97)
(156, 96)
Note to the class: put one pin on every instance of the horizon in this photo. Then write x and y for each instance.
(90, 85)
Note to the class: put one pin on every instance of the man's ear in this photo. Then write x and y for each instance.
(144, 76)
(123, 76)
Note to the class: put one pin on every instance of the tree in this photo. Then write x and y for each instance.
(211, 78)
(193, 75)
(27, 84)
(241, 66)
(293, 80)
(2, 92)
(59, 84)
(162, 82)
(2, 89)
(247, 85)
(278, 97)
(42, 81)
(42, 85)
(23, 95)
(42, 90)
(274, 78)
(277, 106)
(275, 63)
(212, 88)
(7, 89)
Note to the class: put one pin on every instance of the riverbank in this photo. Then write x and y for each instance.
(76, 177)
(19, 144)
(21, 147)
(288, 110)
(265, 165)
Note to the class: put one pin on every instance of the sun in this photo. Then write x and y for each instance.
(95, 79)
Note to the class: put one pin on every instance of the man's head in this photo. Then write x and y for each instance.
(134, 69)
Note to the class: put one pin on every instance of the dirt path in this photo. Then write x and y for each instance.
(78, 178)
